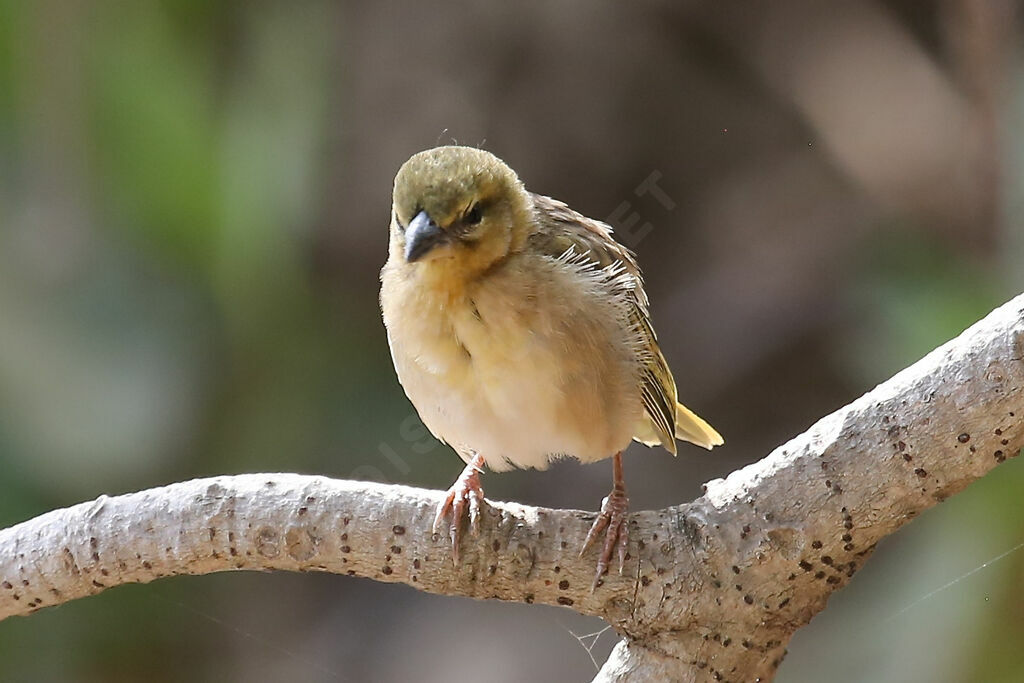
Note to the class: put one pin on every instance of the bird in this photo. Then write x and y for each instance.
(521, 333)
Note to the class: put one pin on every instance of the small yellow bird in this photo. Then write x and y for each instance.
(520, 331)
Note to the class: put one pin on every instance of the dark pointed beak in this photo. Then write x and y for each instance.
(421, 235)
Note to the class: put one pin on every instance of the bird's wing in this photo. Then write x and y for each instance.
(564, 233)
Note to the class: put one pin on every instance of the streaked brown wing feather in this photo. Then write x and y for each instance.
(561, 230)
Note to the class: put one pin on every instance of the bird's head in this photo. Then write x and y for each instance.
(458, 210)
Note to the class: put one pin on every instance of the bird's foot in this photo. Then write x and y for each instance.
(611, 521)
(465, 495)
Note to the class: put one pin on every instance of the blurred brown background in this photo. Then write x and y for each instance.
(193, 207)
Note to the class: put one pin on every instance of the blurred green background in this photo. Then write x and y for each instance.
(193, 206)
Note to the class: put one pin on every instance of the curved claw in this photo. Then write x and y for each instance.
(465, 494)
(611, 521)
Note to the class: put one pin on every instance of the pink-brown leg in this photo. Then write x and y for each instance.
(611, 521)
(464, 494)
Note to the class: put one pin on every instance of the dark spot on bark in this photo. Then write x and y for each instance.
(828, 483)
(345, 549)
(819, 575)
(563, 585)
(826, 560)
(387, 570)
(726, 642)
(921, 472)
(901, 445)
(832, 580)
(351, 572)
(847, 538)
(344, 537)
(906, 456)
(735, 569)
(398, 530)
(816, 544)
(562, 600)
(848, 524)
(146, 565)
(805, 565)
(848, 547)
(783, 603)
(645, 581)
(496, 545)
(999, 456)
(528, 598)
(739, 587)
(7, 585)
(748, 599)
(964, 438)
(1005, 442)
(97, 584)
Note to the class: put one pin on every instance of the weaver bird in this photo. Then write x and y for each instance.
(520, 331)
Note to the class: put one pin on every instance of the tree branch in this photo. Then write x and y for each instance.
(713, 589)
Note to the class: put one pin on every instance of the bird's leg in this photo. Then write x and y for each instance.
(612, 521)
(464, 493)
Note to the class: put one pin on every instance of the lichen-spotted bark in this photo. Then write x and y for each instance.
(713, 589)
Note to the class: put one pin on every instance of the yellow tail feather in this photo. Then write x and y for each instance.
(690, 427)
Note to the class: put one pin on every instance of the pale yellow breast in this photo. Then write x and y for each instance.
(531, 363)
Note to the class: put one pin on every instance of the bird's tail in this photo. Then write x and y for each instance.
(691, 427)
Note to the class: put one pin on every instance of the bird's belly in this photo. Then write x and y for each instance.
(511, 388)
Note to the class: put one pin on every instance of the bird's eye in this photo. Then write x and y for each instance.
(474, 215)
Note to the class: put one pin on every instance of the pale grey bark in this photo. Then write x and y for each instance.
(713, 589)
